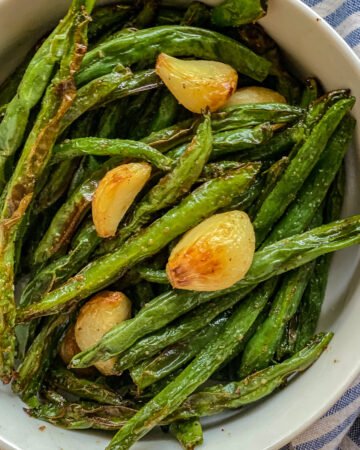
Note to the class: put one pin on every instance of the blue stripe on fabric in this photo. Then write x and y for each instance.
(345, 10)
(353, 38)
(312, 3)
(354, 433)
(350, 395)
(319, 442)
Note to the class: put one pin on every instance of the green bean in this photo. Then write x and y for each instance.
(218, 169)
(30, 167)
(196, 373)
(141, 126)
(56, 185)
(233, 141)
(255, 37)
(38, 358)
(218, 398)
(313, 191)
(169, 16)
(153, 275)
(106, 89)
(166, 112)
(10, 86)
(314, 295)
(197, 15)
(248, 115)
(151, 370)
(33, 85)
(134, 110)
(232, 13)
(122, 149)
(110, 120)
(75, 416)
(62, 268)
(200, 204)
(321, 105)
(335, 197)
(87, 166)
(285, 83)
(310, 93)
(50, 276)
(245, 201)
(143, 293)
(299, 169)
(260, 350)
(84, 126)
(145, 45)
(171, 187)
(286, 348)
(238, 140)
(2, 111)
(104, 17)
(195, 320)
(189, 433)
(272, 176)
(271, 261)
(146, 15)
(294, 136)
(207, 402)
(63, 379)
(240, 116)
(66, 221)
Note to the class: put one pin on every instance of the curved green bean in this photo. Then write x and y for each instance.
(33, 369)
(261, 348)
(106, 89)
(122, 149)
(34, 83)
(67, 381)
(144, 46)
(31, 165)
(62, 268)
(233, 13)
(298, 170)
(189, 433)
(309, 198)
(254, 387)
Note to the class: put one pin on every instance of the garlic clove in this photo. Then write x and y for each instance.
(197, 84)
(115, 194)
(101, 313)
(254, 94)
(214, 255)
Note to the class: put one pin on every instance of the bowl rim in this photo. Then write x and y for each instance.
(354, 61)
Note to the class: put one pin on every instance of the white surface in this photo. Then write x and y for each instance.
(317, 50)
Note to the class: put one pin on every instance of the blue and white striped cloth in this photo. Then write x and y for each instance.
(339, 428)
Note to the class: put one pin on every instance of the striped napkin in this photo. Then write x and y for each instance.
(339, 428)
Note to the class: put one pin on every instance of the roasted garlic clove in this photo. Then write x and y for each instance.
(198, 85)
(254, 94)
(69, 348)
(101, 313)
(115, 194)
(214, 255)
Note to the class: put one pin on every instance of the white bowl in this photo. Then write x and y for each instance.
(316, 50)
